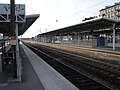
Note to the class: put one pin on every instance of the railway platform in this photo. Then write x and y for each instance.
(36, 75)
(30, 81)
(105, 53)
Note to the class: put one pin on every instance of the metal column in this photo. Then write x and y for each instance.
(3, 53)
(92, 37)
(78, 39)
(12, 29)
(17, 55)
(113, 28)
(61, 38)
(53, 38)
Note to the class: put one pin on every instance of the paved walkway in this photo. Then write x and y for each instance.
(30, 80)
(48, 76)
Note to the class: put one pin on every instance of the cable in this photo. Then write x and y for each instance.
(54, 6)
(83, 1)
(43, 6)
(83, 10)
(93, 6)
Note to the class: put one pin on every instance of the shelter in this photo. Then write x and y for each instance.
(91, 26)
(22, 27)
(10, 53)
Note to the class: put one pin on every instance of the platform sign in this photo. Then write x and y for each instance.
(13, 40)
(19, 12)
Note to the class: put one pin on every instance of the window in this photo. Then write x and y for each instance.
(108, 15)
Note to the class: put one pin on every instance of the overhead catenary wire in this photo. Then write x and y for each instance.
(83, 2)
(54, 6)
(81, 11)
(44, 5)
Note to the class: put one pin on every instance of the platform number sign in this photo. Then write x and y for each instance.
(19, 12)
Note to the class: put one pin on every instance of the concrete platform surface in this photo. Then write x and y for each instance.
(50, 79)
(105, 53)
(30, 81)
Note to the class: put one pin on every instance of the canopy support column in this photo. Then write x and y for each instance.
(113, 28)
(61, 38)
(78, 39)
(17, 56)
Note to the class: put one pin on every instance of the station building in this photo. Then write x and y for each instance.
(112, 12)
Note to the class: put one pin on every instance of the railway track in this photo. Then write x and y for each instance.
(74, 76)
(113, 70)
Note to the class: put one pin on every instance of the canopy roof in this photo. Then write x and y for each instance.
(22, 27)
(93, 24)
(30, 19)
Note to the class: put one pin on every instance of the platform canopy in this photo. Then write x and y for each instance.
(22, 27)
(30, 19)
(93, 24)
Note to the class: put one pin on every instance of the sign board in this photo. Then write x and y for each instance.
(19, 12)
(13, 40)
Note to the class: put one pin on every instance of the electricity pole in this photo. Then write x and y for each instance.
(12, 30)
(12, 12)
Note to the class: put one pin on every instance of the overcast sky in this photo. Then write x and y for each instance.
(59, 13)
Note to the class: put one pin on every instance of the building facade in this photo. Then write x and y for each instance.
(112, 12)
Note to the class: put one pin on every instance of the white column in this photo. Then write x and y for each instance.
(61, 38)
(17, 56)
(113, 27)
(78, 39)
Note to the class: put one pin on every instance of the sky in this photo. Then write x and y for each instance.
(55, 14)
